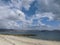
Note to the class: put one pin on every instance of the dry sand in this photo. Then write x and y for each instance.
(19, 40)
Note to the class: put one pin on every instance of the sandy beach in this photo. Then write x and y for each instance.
(19, 40)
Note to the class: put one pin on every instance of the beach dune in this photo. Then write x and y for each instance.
(20, 40)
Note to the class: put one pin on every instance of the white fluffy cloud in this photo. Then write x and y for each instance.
(8, 24)
(9, 18)
(11, 15)
(52, 6)
(21, 3)
(49, 9)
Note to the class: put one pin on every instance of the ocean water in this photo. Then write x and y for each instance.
(47, 35)
(54, 36)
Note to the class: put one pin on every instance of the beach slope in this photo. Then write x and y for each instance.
(20, 40)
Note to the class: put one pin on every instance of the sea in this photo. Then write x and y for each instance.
(44, 35)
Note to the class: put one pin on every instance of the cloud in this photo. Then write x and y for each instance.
(49, 6)
(7, 24)
(9, 18)
(11, 15)
(49, 9)
(21, 3)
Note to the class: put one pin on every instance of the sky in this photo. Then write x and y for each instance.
(30, 14)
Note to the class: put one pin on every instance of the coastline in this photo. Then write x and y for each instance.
(20, 40)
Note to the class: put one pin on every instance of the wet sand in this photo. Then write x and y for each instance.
(20, 40)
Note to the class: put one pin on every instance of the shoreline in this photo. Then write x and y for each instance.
(20, 40)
